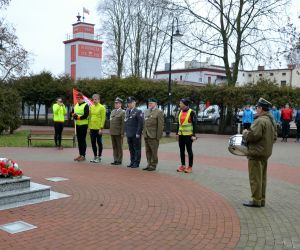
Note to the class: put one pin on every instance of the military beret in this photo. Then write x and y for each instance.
(130, 99)
(152, 100)
(118, 100)
(264, 103)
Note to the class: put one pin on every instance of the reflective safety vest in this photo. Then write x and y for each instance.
(79, 110)
(59, 112)
(185, 128)
(97, 116)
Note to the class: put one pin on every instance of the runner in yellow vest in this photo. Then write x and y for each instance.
(186, 134)
(96, 124)
(80, 115)
(59, 112)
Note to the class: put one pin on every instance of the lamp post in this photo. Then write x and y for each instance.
(176, 34)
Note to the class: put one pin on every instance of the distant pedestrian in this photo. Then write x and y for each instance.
(116, 128)
(59, 112)
(286, 118)
(276, 114)
(153, 131)
(186, 134)
(297, 121)
(133, 130)
(97, 119)
(80, 116)
(260, 139)
(248, 118)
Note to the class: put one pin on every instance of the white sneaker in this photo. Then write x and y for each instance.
(97, 159)
(94, 159)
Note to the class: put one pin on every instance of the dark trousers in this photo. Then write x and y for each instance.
(117, 145)
(81, 131)
(134, 145)
(58, 129)
(185, 141)
(298, 131)
(247, 125)
(151, 145)
(285, 129)
(96, 138)
(258, 180)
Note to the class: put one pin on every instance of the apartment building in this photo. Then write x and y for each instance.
(289, 76)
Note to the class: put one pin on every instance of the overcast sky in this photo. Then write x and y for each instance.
(42, 25)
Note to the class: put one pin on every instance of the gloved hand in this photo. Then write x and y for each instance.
(75, 116)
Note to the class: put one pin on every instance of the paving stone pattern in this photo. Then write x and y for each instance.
(120, 208)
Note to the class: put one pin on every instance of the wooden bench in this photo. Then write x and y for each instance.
(42, 135)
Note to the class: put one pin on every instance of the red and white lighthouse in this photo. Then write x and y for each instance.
(83, 52)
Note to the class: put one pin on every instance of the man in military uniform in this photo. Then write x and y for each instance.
(133, 130)
(117, 117)
(260, 138)
(153, 131)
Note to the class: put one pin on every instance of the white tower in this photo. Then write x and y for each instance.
(83, 52)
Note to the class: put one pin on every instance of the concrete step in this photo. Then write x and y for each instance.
(34, 191)
(8, 184)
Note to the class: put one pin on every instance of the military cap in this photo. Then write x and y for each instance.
(130, 99)
(118, 100)
(152, 100)
(264, 103)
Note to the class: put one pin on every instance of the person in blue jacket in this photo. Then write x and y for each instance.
(247, 119)
(297, 121)
(276, 114)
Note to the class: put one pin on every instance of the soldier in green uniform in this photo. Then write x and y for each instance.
(117, 117)
(260, 138)
(153, 131)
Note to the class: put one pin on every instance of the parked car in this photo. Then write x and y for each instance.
(211, 114)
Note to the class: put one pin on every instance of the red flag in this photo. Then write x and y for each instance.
(87, 100)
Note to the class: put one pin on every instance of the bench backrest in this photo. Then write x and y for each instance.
(49, 132)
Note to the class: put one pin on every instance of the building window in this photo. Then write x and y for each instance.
(243, 74)
(283, 83)
(209, 80)
(283, 74)
(250, 75)
(200, 79)
(271, 74)
(180, 78)
(260, 74)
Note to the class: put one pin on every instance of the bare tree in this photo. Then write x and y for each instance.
(4, 3)
(135, 33)
(232, 30)
(13, 57)
(116, 26)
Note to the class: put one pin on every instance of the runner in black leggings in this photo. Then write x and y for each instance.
(186, 134)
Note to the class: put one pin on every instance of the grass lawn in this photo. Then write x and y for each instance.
(19, 139)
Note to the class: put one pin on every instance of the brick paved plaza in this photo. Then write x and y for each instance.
(119, 208)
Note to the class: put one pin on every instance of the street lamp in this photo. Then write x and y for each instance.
(176, 34)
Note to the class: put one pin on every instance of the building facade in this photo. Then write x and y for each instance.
(195, 73)
(289, 76)
(83, 52)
